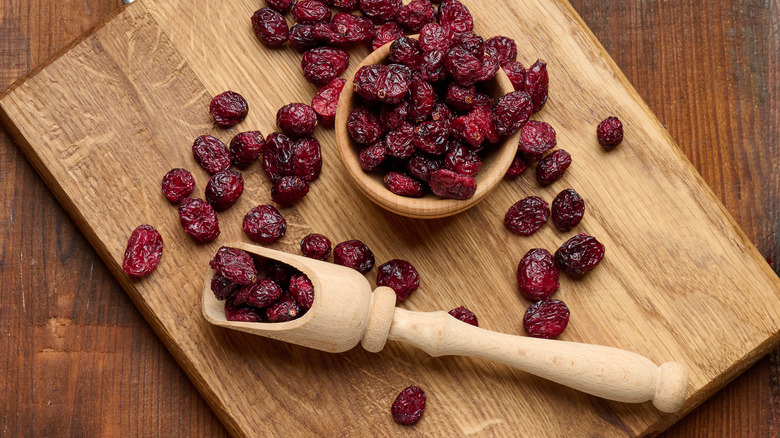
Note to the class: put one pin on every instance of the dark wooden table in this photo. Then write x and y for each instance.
(78, 359)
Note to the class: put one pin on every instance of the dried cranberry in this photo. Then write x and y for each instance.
(399, 142)
(278, 272)
(354, 254)
(198, 219)
(245, 148)
(553, 166)
(400, 276)
(383, 83)
(345, 5)
(409, 406)
(448, 184)
(302, 291)
(421, 165)
(363, 125)
(610, 132)
(372, 156)
(307, 159)
(143, 252)
(517, 167)
(511, 112)
(537, 275)
(463, 67)
(241, 312)
(403, 185)
(281, 5)
(392, 116)
(422, 99)
(296, 119)
(567, 209)
(406, 51)
(536, 84)
(302, 37)
(527, 215)
(278, 154)
(286, 309)
(386, 33)
(177, 184)
(326, 101)
(234, 265)
(434, 66)
(264, 224)
(476, 127)
(442, 112)
(516, 74)
(211, 154)
(259, 293)
(270, 27)
(224, 188)
(536, 138)
(289, 190)
(345, 29)
(546, 319)
(456, 16)
(380, 11)
(580, 254)
(222, 287)
(431, 137)
(322, 64)
(315, 246)
(459, 97)
(469, 42)
(434, 36)
(416, 14)
(310, 11)
(502, 49)
(461, 159)
(463, 314)
(489, 69)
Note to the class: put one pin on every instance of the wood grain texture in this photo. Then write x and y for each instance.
(731, 405)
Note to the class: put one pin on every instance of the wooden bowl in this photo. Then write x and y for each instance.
(494, 165)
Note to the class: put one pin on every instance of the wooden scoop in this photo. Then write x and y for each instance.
(345, 312)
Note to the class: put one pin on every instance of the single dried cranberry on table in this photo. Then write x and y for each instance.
(302, 291)
(270, 27)
(264, 224)
(502, 49)
(527, 215)
(552, 167)
(517, 167)
(296, 119)
(448, 184)
(286, 309)
(198, 219)
(463, 160)
(315, 246)
(310, 11)
(610, 132)
(228, 108)
(354, 254)
(224, 188)
(259, 293)
(537, 275)
(511, 112)
(307, 159)
(234, 265)
(177, 184)
(280, 5)
(434, 36)
(516, 74)
(345, 29)
(222, 287)
(392, 116)
(546, 319)
(245, 148)
(289, 190)
(386, 33)
(461, 98)
(372, 156)
(416, 14)
(456, 16)
(403, 185)
(536, 84)
(409, 406)
(241, 312)
(536, 138)
(143, 252)
(431, 137)
(326, 101)
(380, 11)
(420, 166)
(303, 38)
(364, 126)
(567, 209)
(212, 155)
(322, 64)
(579, 255)
(463, 314)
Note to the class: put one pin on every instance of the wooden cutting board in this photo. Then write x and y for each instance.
(103, 122)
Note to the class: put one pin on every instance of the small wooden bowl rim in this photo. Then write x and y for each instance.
(430, 206)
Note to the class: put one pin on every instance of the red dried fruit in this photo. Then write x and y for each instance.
(511, 112)
(143, 252)
(475, 127)
(469, 42)
(399, 142)
(245, 148)
(502, 49)
(326, 101)
(516, 74)
(448, 184)
(345, 5)
(393, 116)
(322, 64)
(303, 38)
(310, 11)
(363, 125)
(177, 184)
(456, 16)
(416, 14)
(421, 165)
(536, 84)
(567, 209)
(400, 276)
(383, 83)
(406, 51)
(278, 154)
(434, 66)
(442, 112)
(286, 309)
(222, 287)
(296, 119)
(434, 36)
(372, 156)
(403, 185)
(517, 167)
(536, 138)
(345, 29)
(527, 215)
(211, 154)
(422, 99)
(270, 27)
(302, 291)
(537, 275)
(579, 255)
(278, 272)
(610, 132)
(259, 293)
(431, 137)
(461, 98)
(409, 406)
(241, 313)
(463, 314)
(380, 11)
(489, 69)
(289, 190)
(281, 5)
(546, 319)
(463, 67)
(198, 219)
(234, 265)
(354, 254)
(315, 246)
(386, 33)
(307, 159)
(461, 159)
(224, 188)
(264, 224)
(553, 166)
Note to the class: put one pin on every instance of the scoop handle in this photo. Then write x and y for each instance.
(602, 371)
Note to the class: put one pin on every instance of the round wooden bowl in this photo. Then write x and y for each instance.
(494, 165)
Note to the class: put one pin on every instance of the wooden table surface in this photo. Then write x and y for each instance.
(78, 359)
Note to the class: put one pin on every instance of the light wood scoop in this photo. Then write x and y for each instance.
(345, 312)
